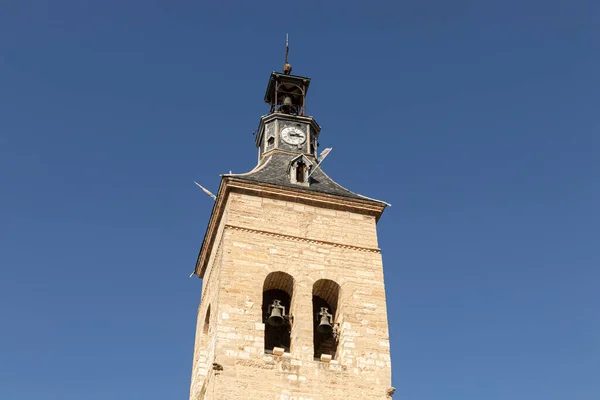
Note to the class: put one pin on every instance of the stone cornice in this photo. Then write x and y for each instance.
(303, 239)
(229, 184)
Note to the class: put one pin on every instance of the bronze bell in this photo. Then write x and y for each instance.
(287, 105)
(326, 319)
(277, 314)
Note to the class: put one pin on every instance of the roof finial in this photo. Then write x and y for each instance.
(287, 67)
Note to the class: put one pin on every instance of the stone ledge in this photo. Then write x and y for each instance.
(301, 239)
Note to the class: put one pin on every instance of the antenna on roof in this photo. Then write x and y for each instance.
(205, 190)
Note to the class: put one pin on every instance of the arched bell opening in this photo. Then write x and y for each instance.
(325, 331)
(289, 99)
(277, 300)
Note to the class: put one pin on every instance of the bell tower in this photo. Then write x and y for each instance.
(293, 298)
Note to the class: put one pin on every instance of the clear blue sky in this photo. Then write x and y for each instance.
(478, 120)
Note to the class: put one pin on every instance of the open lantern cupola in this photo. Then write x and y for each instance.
(287, 94)
(287, 128)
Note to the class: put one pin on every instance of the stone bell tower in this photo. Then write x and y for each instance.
(293, 299)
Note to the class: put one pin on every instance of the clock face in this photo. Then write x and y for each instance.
(293, 135)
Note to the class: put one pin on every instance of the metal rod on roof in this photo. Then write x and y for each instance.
(321, 158)
(287, 47)
(206, 190)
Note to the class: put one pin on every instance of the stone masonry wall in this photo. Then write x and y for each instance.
(257, 236)
(204, 347)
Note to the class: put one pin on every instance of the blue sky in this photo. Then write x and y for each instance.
(477, 120)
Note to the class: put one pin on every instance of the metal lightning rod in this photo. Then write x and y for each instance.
(322, 156)
(209, 193)
(205, 190)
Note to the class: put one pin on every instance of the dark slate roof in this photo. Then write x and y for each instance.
(273, 170)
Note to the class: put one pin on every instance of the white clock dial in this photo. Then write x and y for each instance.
(293, 135)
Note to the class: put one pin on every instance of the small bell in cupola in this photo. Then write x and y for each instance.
(287, 106)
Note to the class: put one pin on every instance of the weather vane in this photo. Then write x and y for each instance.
(287, 67)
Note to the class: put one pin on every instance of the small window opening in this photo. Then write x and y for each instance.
(300, 172)
(270, 142)
(206, 321)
